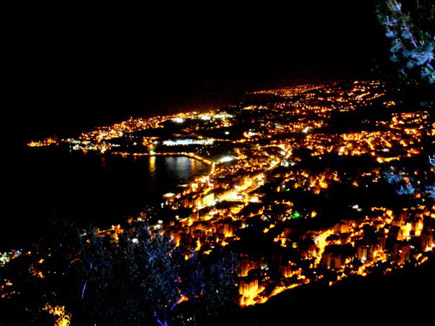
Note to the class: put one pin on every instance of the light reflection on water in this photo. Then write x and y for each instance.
(91, 188)
(180, 166)
(152, 165)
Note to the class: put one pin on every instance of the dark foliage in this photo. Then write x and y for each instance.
(129, 278)
(409, 25)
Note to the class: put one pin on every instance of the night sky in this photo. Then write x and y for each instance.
(69, 67)
(72, 67)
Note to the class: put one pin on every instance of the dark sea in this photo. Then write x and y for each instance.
(88, 189)
(39, 184)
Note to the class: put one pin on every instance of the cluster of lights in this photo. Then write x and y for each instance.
(296, 121)
(188, 142)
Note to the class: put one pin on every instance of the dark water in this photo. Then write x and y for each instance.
(101, 190)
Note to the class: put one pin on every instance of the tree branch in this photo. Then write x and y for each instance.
(164, 323)
(178, 301)
(86, 282)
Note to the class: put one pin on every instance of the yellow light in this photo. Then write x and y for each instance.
(59, 311)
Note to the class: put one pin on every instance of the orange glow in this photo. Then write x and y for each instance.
(249, 293)
(321, 244)
(265, 155)
(198, 245)
(63, 318)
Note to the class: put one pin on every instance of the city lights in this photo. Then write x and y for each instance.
(268, 187)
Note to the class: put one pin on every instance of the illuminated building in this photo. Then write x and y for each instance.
(272, 170)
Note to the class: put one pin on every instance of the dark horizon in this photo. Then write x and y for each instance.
(75, 68)
(314, 201)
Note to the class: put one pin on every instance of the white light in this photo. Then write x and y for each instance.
(223, 116)
(235, 197)
(178, 120)
(188, 141)
(306, 129)
(134, 240)
(169, 195)
(226, 159)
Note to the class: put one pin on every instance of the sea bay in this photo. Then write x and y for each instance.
(88, 189)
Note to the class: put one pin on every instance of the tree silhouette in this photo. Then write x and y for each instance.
(410, 25)
(131, 279)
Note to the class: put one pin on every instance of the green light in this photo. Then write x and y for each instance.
(296, 214)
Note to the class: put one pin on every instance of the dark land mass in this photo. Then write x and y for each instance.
(404, 296)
